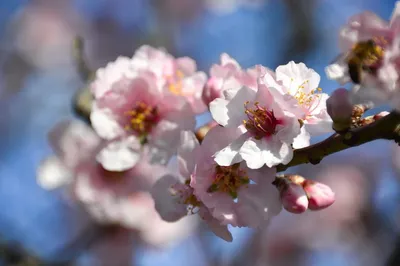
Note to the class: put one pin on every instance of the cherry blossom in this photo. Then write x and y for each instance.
(111, 198)
(174, 197)
(73, 143)
(235, 194)
(268, 128)
(370, 56)
(302, 83)
(177, 76)
(134, 114)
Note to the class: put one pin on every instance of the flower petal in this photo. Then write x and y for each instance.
(120, 155)
(53, 174)
(187, 153)
(166, 204)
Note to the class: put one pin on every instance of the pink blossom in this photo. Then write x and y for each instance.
(222, 76)
(235, 194)
(135, 114)
(370, 46)
(268, 127)
(302, 83)
(320, 196)
(111, 198)
(73, 142)
(173, 195)
(176, 76)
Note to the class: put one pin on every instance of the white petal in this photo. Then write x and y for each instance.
(120, 155)
(53, 174)
(338, 72)
(252, 153)
(302, 140)
(165, 203)
(277, 152)
(219, 111)
(187, 153)
(104, 123)
(230, 154)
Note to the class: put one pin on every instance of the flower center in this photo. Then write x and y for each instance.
(175, 83)
(187, 197)
(143, 118)
(261, 122)
(228, 179)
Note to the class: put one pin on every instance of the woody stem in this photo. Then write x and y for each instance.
(387, 127)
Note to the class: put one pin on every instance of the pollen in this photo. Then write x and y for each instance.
(228, 179)
(261, 121)
(142, 119)
(175, 84)
(304, 98)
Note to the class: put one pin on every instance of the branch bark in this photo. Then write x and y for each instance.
(387, 127)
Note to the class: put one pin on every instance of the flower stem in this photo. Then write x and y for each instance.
(387, 127)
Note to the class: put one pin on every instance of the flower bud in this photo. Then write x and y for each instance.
(211, 91)
(294, 199)
(320, 196)
(340, 109)
(292, 195)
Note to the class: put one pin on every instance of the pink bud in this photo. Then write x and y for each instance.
(320, 196)
(340, 109)
(293, 198)
(211, 91)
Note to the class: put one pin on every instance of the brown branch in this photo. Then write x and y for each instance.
(387, 127)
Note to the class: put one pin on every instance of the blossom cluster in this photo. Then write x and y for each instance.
(141, 165)
(370, 58)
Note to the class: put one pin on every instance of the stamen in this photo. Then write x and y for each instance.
(228, 179)
(261, 122)
(142, 118)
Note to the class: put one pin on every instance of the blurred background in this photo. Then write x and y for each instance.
(38, 80)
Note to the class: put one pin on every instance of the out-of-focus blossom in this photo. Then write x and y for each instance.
(173, 195)
(320, 196)
(58, 25)
(111, 198)
(176, 76)
(268, 128)
(370, 57)
(229, 75)
(222, 76)
(340, 108)
(234, 194)
(73, 143)
(139, 104)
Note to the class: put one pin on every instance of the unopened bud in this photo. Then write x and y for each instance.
(211, 91)
(293, 197)
(340, 109)
(320, 196)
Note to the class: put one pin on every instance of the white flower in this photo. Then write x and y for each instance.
(268, 129)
